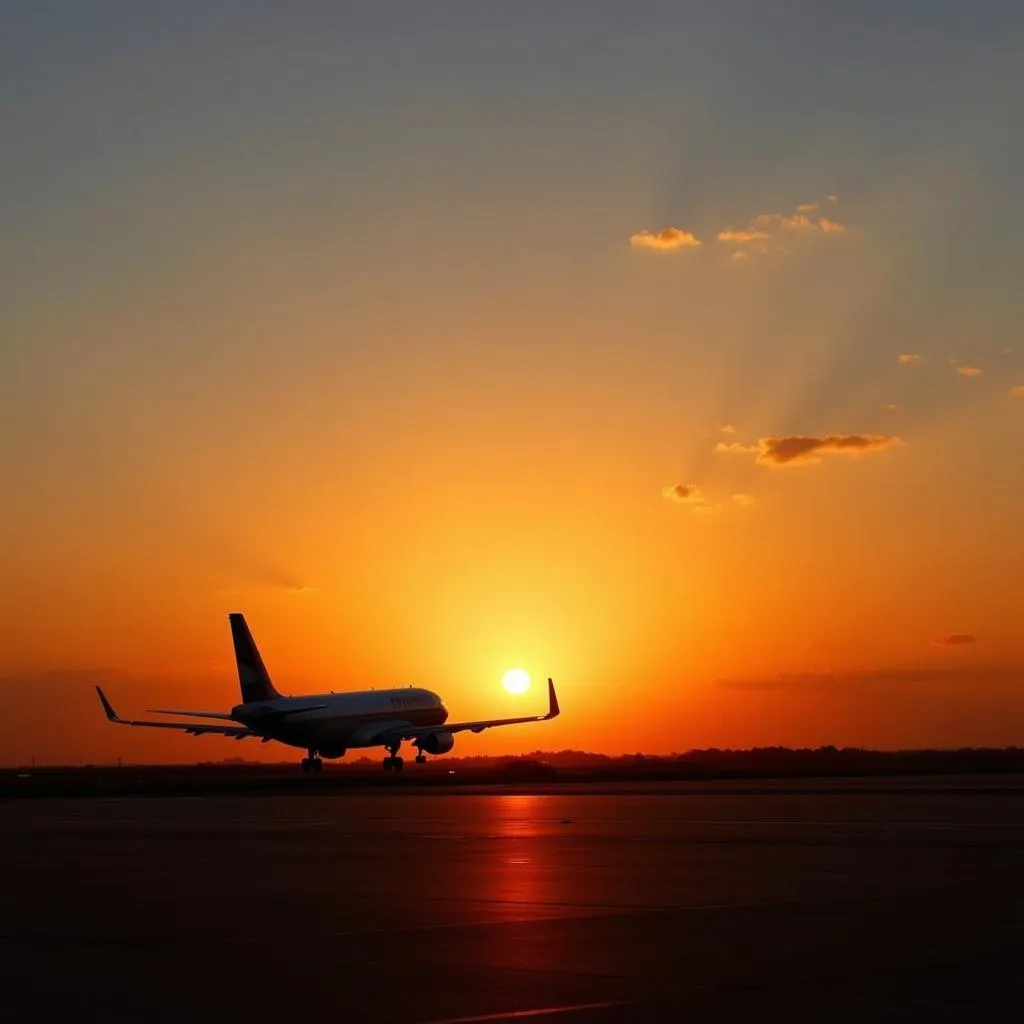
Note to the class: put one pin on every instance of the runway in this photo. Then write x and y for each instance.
(789, 904)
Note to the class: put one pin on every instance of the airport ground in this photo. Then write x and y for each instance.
(815, 900)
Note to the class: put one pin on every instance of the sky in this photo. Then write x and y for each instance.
(672, 350)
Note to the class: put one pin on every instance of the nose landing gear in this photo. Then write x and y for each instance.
(312, 763)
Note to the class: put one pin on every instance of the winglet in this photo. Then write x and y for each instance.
(553, 710)
(108, 710)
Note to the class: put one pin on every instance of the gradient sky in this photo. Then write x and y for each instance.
(388, 325)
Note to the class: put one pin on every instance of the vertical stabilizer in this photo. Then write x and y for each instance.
(252, 673)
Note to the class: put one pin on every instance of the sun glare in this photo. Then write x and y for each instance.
(516, 680)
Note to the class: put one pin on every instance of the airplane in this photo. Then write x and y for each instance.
(329, 724)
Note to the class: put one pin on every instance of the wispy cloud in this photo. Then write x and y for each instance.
(745, 500)
(760, 229)
(955, 640)
(737, 448)
(727, 428)
(795, 221)
(1017, 391)
(968, 371)
(802, 450)
(893, 407)
(684, 494)
(832, 227)
(836, 680)
(833, 198)
(741, 235)
(667, 239)
(907, 358)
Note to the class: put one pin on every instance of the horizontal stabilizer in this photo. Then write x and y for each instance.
(239, 732)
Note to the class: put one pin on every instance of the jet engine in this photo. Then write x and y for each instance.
(437, 742)
(331, 750)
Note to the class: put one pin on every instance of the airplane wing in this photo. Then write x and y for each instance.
(412, 732)
(238, 732)
(192, 714)
(221, 714)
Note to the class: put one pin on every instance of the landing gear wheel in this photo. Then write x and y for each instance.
(421, 758)
(306, 765)
(387, 764)
(396, 763)
(318, 765)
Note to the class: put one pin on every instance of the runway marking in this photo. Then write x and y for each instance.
(545, 1011)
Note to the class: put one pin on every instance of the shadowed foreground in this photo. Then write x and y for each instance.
(785, 905)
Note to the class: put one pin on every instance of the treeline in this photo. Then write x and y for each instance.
(759, 761)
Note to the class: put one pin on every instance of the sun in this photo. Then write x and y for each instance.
(516, 680)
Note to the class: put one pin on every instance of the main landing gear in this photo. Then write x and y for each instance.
(394, 763)
(312, 763)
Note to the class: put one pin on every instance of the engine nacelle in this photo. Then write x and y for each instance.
(437, 742)
(331, 750)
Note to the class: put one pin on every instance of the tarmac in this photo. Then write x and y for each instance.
(838, 903)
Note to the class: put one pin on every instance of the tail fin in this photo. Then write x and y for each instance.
(252, 673)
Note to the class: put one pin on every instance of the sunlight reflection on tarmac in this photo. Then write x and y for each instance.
(788, 905)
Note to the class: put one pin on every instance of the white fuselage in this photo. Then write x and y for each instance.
(345, 720)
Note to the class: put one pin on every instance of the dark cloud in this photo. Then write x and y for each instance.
(797, 449)
(836, 680)
(955, 640)
(685, 494)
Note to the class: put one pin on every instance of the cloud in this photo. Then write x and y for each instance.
(741, 235)
(778, 681)
(727, 428)
(968, 371)
(906, 358)
(763, 229)
(830, 679)
(833, 198)
(684, 494)
(798, 449)
(1008, 350)
(746, 500)
(737, 448)
(739, 256)
(669, 238)
(1017, 391)
(893, 407)
(832, 227)
(955, 640)
(798, 222)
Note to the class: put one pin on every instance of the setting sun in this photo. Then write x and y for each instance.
(516, 680)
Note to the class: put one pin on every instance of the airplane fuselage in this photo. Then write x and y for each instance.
(341, 721)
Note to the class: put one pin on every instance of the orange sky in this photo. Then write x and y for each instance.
(441, 370)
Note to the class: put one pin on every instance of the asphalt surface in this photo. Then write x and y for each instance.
(893, 904)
